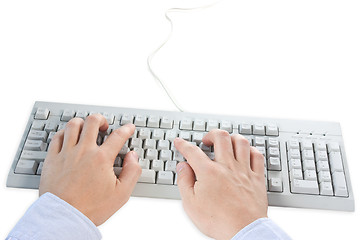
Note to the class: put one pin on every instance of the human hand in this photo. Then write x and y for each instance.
(222, 196)
(81, 173)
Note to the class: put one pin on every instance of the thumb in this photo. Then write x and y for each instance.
(130, 172)
(185, 180)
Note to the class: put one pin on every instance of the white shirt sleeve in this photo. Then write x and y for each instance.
(50, 217)
(261, 229)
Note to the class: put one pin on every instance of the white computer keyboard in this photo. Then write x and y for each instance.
(305, 161)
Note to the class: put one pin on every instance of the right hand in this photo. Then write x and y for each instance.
(222, 196)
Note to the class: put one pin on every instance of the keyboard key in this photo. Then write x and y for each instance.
(296, 174)
(226, 125)
(144, 164)
(321, 156)
(306, 145)
(259, 129)
(272, 130)
(259, 141)
(38, 125)
(158, 134)
(38, 135)
(308, 165)
(82, 114)
(42, 113)
(166, 122)
(293, 144)
(308, 155)
(140, 120)
(40, 167)
(165, 177)
(139, 152)
(273, 142)
(273, 152)
(335, 162)
(165, 155)
(275, 185)
(199, 125)
(147, 176)
(185, 135)
(153, 121)
(26, 167)
(304, 186)
(67, 115)
(333, 147)
(50, 137)
(310, 175)
(157, 165)
(33, 155)
(274, 163)
(322, 166)
(149, 143)
(324, 176)
(35, 145)
(51, 127)
(294, 153)
(61, 126)
(197, 137)
(212, 124)
(326, 189)
(163, 145)
(170, 166)
(245, 128)
(127, 118)
(177, 156)
(186, 124)
(151, 154)
(339, 183)
(136, 143)
(171, 135)
(320, 146)
(144, 133)
(294, 164)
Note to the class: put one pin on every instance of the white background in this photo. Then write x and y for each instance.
(284, 59)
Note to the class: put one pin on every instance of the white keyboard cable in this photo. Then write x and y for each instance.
(151, 56)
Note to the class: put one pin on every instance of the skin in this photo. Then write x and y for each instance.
(221, 197)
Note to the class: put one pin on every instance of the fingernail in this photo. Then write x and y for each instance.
(180, 167)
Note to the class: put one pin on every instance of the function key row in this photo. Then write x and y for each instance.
(165, 122)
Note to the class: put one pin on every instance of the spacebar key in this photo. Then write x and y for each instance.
(304, 186)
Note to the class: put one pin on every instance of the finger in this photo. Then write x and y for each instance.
(56, 143)
(193, 154)
(185, 181)
(257, 161)
(72, 132)
(92, 125)
(241, 148)
(116, 140)
(222, 145)
(130, 172)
